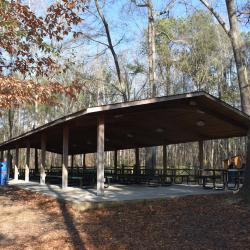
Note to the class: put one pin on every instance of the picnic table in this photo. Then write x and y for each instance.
(213, 175)
(235, 177)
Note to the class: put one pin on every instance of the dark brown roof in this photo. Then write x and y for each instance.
(157, 121)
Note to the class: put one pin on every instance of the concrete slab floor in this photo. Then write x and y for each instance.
(114, 193)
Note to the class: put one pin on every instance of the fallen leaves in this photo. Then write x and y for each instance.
(195, 222)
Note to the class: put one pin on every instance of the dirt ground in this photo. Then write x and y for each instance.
(33, 221)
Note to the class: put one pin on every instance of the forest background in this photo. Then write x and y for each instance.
(110, 51)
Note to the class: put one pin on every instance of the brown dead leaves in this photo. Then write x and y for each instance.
(14, 92)
(195, 222)
(25, 38)
(25, 47)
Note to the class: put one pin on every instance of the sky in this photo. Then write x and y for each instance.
(129, 23)
(120, 9)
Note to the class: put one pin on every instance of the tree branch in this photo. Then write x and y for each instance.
(94, 40)
(111, 47)
(139, 4)
(167, 9)
(216, 15)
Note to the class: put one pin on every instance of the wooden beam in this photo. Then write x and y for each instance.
(36, 161)
(9, 160)
(27, 165)
(201, 154)
(100, 155)
(16, 172)
(223, 116)
(2, 153)
(164, 151)
(115, 162)
(84, 160)
(43, 160)
(137, 161)
(72, 163)
(65, 156)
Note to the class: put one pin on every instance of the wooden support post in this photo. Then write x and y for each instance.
(65, 157)
(115, 162)
(72, 165)
(201, 154)
(9, 160)
(27, 165)
(16, 173)
(43, 160)
(137, 161)
(84, 160)
(2, 153)
(100, 155)
(72, 162)
(36, 161)
(164, 151)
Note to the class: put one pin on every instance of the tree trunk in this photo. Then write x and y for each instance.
(11, 114)
(238, 50)
(151, 152)
(112, 49)
(246, 185)
(151, 48)
(239, 56)
(150, 157)
(36, 161)
(241, 67)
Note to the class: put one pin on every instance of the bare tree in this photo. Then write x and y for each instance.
(241, 66)
(151, 15)
(151, 48)
(238, 49)
(245, 12)
(151, 152)
(112, 49)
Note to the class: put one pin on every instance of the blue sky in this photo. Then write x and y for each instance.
(130, 23)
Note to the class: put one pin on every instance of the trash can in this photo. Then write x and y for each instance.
(3, 173)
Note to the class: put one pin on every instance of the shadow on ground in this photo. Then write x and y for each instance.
(69, 221)
(194, 222)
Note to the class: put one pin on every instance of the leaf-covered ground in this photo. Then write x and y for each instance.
(33, 221)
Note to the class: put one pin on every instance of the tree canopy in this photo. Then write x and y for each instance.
(27, 51)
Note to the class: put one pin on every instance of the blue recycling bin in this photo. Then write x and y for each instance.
(3, 173)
